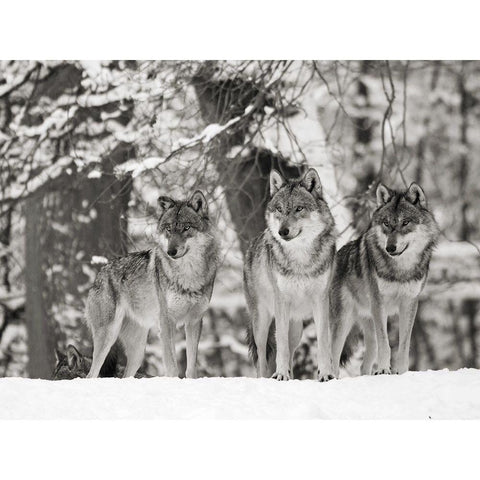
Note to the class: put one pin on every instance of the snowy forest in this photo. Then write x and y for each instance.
(87, 147)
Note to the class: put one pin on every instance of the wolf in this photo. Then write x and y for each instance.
(287, 273)
(158, 289)
(381, 274)
(73, 364)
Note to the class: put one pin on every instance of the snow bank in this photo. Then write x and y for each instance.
(414, 395)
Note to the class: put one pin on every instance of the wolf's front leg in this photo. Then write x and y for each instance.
(193, 329)
(407, 313)
(167, 339)
(282, 324)
(380, 321)
(324, 356)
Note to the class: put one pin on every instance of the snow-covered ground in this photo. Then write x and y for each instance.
(414, 395)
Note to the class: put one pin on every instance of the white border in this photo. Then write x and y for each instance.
(239, 450)
(220, 29)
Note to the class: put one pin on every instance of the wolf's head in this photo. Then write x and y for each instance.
(71, 364)
(297, 209)
(181, 222)
(402, 220)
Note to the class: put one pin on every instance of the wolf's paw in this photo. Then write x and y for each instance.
(383, 371)
(325, 377)
(282, 376)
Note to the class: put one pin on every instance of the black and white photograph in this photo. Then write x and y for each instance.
(232, 223)
(216, 239)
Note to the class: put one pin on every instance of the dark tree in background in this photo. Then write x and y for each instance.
(62, 235)
(244, 177)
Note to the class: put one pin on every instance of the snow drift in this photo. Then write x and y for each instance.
(414, 395)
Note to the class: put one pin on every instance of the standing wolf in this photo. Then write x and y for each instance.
(161, 288)
(382, 273)
(287, 274)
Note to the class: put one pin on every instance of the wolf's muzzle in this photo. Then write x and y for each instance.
(175, 253)
(392, 250)
(287, 234)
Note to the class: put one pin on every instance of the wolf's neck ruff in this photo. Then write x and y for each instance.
(193, 273)
(398, 269)
(309, 258)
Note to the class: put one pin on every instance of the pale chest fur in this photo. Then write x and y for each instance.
(393, 292)
(302, 293)
(185, 306)
(188, 272)
(195, 269)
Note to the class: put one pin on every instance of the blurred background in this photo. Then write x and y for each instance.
(86, 147)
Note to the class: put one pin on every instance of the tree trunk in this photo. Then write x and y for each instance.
(67, 222)
(463, 171)
(41, 338)
(363, 168)
(244, 179)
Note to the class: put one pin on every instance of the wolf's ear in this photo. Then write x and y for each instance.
(311, 181)
(199, 203)
(59, 355)
(384, 195)
(276, 182)
(416, 195)
(74, 357)
(164, 203)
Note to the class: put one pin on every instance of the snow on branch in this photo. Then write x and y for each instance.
(18, 81)
(136, 167)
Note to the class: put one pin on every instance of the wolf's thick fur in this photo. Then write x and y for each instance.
(287, 273)
(73, 364)
(382, 273)
(158, 289)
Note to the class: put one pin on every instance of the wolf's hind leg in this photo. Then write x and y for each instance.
(261, 321)
(193, 330)
(321, 313)
(294, 337)
(341, 321)
(134, 340)
(167, 339)
(408, 311)
(370, 340)
(105, 332)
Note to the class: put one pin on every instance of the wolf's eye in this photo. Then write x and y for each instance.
(168, 228)
(406, 222)
(299, 209)
(279, 209)
(386, 224)
(186, 227)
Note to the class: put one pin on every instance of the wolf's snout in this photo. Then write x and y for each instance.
(391, 248)
(283, 232)
(172, 252)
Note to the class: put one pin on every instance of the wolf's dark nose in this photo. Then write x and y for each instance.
(391, 248)
(284, 232)
(172, 252)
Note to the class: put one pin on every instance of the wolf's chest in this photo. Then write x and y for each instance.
(181, 305)
(296, 286)
(301, 292)
(392, 292)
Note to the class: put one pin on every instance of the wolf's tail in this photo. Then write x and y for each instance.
(351, 345)
(252, 346)
(109, 367)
